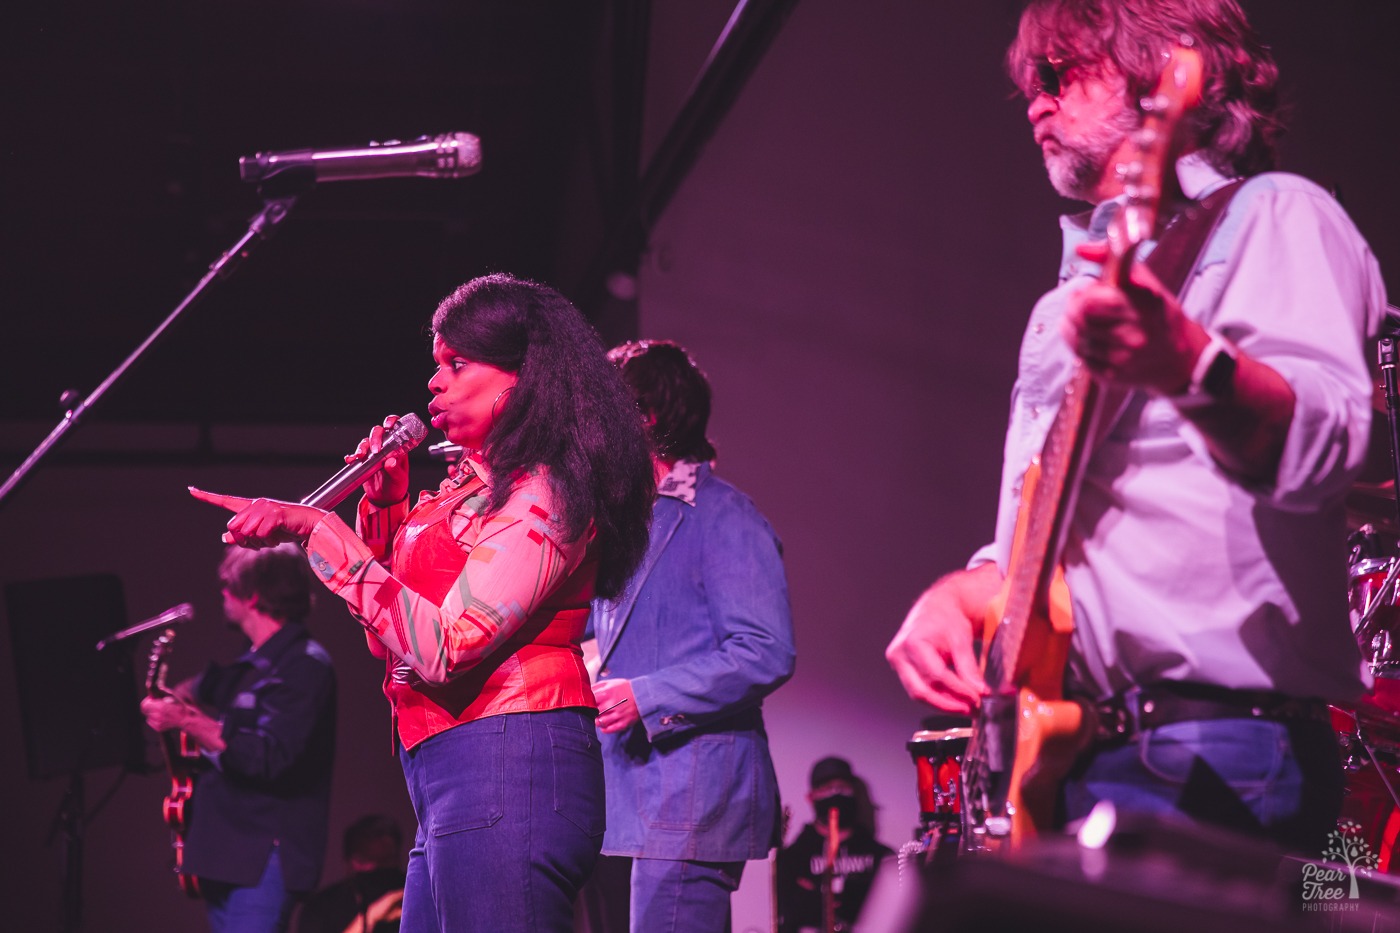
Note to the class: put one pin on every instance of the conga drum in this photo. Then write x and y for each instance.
(937, 757)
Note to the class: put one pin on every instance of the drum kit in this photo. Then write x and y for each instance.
(1368, 732)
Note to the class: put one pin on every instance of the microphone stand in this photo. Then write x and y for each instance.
(1387, 355)
(277, 204)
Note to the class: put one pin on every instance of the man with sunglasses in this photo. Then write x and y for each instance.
(1204, 557)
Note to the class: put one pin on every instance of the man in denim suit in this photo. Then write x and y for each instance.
(701, 635)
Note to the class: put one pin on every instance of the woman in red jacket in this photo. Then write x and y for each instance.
(476, 597)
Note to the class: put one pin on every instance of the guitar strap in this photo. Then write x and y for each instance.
(1186, 235)
(1176, 254)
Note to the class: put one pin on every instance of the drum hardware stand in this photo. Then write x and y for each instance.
(1387, 355)
(1380, 765)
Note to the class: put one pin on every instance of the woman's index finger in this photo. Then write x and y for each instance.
(232, 503)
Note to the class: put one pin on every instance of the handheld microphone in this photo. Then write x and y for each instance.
(181, 613)
(407, 433)
(447, 155)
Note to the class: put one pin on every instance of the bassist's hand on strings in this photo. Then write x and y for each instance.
(933, 651)
(1136, 336)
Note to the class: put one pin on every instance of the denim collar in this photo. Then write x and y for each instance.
(681, 482)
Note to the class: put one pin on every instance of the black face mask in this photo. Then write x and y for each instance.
(843, 804)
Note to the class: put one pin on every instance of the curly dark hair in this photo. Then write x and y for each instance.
(1238, 122)
(568, 413)
(672, 392)
(277, 577)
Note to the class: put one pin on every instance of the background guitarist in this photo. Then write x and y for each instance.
(259, 811)
(1205, 556)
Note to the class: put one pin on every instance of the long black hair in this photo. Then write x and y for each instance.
(568, 413)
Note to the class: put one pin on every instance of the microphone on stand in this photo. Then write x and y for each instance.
(447, 155)
(181, 613)
(408, 432)
(446, 451)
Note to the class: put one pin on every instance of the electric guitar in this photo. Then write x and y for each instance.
(181, 756)
(1026, 735)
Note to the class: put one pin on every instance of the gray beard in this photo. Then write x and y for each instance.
(1075, 169)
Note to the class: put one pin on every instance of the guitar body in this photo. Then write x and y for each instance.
(181, 756)
(1044, 731)
(181, 760)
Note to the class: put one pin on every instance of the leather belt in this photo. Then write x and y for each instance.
(1138, 709)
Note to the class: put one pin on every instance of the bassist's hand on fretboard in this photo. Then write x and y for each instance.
(167, 713)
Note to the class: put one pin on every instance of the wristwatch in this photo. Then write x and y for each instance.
(1213, 376)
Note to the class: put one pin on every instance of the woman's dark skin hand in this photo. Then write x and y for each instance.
(390, 484)
(259, 523)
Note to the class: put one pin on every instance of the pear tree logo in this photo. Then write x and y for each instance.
(1333, 886)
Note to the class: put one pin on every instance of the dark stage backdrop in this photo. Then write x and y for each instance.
(851, 260)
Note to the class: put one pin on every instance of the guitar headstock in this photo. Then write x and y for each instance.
(1145, 178)
(158, 663)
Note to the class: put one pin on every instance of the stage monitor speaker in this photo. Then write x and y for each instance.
(79, 709)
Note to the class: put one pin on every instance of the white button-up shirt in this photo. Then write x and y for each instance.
(1176, 569)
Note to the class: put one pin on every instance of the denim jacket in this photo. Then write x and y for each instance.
(704, 633)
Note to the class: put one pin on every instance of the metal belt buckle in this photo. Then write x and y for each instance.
(1114, 722)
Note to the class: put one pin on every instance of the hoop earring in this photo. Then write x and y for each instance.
(498, 401)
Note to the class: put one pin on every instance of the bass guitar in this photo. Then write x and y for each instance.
(181, 757)
(1026, 734)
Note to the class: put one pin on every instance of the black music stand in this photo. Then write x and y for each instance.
(78, 706)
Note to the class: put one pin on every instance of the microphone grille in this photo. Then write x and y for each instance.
(410, 430)
(465, 151)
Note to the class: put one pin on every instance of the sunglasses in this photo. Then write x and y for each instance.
(1049, 77)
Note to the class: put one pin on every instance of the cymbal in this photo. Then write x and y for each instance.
(1373, 506)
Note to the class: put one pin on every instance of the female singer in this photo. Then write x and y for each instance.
(476, 597)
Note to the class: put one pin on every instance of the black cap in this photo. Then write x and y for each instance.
(831, 769)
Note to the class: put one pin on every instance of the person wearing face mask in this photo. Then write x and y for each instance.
(802, 866)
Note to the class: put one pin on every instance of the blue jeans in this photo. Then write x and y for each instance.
(266, 907)
(673, 896)
(510, 821)
(1282, 781)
